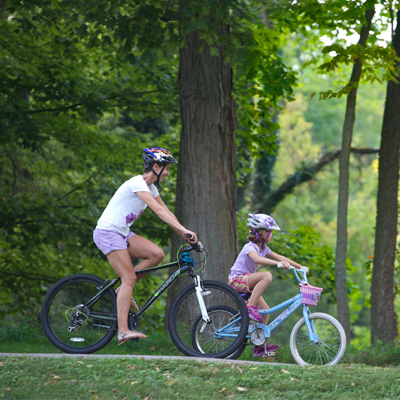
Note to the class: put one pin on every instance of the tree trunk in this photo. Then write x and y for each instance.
(383, 317)
(343, 197)
(206, 183)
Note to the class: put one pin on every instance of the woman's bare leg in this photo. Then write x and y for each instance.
(120, 261)
(150, 254)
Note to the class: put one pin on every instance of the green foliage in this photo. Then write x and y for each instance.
(378, 355)
(70, 134)
(303, 245)
(329, 28)
(84, 86)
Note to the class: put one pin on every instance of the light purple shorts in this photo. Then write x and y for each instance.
(107, 241)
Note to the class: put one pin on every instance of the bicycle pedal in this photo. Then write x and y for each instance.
(205, 293)
(269, 354)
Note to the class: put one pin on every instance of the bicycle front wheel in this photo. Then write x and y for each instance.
(185, 321)
(331, 343)
(70, 324)
(204, 338)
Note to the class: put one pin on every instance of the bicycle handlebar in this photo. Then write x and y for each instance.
(296, 272)
(193, 246)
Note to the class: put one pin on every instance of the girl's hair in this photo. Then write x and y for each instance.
(254, 238)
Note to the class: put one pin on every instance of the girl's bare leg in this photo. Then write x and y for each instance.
(258, 282)
(264, 306)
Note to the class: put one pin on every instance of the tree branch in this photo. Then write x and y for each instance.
(30, 277)
(306, 174)
(61, 108)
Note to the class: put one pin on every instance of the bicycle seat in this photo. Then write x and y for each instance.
(245, 295)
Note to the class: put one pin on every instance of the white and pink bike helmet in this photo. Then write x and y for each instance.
(261, 221)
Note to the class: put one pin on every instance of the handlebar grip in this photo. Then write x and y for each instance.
(280, 265)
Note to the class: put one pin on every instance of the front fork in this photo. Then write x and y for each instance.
(200, 293)
(312, 333)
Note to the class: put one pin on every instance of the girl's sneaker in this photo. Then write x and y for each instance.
(264, 349)
(271, 347)
(254, 314)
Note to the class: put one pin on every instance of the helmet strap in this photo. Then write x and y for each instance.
(258, 236)
(157, 183)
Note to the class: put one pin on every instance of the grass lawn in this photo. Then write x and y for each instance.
(103, 378)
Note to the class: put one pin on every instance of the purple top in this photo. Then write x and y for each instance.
(244, 264)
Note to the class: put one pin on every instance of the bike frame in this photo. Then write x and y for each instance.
(188, 265)
(292, 305)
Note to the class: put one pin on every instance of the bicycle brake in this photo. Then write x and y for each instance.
(204, 292)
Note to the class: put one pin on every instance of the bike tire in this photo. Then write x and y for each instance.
(203, 339)
(330, 348)
(185, 311)
(62, 305)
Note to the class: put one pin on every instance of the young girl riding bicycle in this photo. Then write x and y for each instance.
(244, 278)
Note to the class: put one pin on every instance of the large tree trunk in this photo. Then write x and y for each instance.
(206, 184)
(383, 318)
(343, 197)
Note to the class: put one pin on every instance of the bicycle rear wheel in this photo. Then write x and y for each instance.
(185, 315)
(204, 339)
(331, 344)
(73, 327)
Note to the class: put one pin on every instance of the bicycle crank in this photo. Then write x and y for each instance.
(257, 337)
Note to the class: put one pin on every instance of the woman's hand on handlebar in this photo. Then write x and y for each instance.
(191, 238)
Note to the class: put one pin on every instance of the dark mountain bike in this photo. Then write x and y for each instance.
(79, 313)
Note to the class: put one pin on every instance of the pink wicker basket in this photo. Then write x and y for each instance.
(310, 294)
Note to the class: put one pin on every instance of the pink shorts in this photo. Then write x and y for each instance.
(240, 283)
(107, 241)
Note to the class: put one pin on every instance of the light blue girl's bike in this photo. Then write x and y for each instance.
(316, 339)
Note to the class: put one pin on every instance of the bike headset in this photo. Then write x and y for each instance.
(157, 155)
(261, 221)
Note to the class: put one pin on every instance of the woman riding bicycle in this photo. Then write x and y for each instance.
(243, 276)
(114, 238)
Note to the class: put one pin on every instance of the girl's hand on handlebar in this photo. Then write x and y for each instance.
(284, 265)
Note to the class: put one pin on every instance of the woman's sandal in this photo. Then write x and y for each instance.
(122, 336)
(133, 302)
